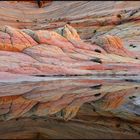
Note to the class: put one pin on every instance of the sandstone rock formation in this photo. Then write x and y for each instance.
(14, 40)
(54, 32)
(113, 44)
(90, 18)
(69, 68)
(46, 52)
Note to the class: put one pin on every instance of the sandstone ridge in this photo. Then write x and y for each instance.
(63, 52)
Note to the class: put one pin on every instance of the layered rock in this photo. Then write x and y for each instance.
(90, 18)
(113, 44)
(72, 39)
(14, 40)
(46, 52)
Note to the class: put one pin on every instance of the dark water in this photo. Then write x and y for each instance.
(81, 107)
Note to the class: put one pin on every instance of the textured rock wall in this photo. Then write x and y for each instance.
(69, 38)
(44, 52)
(90, 18)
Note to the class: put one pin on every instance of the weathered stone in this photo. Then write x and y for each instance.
(114, 45)
(14, 39)
(45, 55)
(56, 55)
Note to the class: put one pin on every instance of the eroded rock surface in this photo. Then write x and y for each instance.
(74, 39)
(91, 19)
(46, 52)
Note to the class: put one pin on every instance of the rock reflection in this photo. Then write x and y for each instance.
(107, 103)
(49, 97)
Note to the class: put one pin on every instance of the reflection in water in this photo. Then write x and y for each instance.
(76, 104)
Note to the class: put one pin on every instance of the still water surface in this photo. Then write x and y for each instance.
(76, 107)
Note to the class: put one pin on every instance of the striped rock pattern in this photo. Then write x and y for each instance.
(46, 52)
(92, 19)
